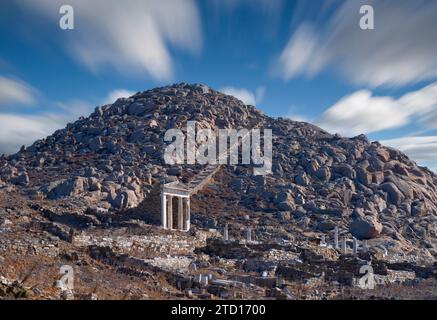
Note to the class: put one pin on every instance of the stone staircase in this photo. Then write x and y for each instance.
(183, 191)
(204, 177)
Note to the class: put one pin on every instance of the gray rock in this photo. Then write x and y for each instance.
(324, 174)
(283, 215)
(148, 178)
(325, 225)
(124, 199)
(395, 196)
(21, 180)
(68, 188)
(419, 208)
(365, 227)
(286, 206)
(363, 176)
(345, 170)
(174, 171)
(260, 181)
(137, 108)
(255, 265)
(94, 184)
(284, 201)
(138, 136)
(302, 179)
(282, 196)
(95, 144)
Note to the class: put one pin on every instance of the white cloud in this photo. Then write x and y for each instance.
(422, 149)
(401, 50)
(298, 117)
(131, 36)
(361, 112)
(117, 94)
(299, 53)
(245, 95)
(423, 103)
(14, 91)
(74, 109)
(17, 130)
(23, 129)
(293, 114)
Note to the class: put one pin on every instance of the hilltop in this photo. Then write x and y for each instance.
(102, 173)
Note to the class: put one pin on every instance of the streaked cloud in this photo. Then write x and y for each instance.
(422, 104)
(131, 36)
(299, 54)
(400, 51)
(294, 114)
(14, 91)
(17, 130)
(422, 149)
(362, 112)
(73, 109)
(117, 94)
(245, 95)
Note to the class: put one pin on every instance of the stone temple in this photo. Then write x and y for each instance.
(175, 195)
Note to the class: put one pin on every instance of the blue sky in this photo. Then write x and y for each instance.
(307, 60)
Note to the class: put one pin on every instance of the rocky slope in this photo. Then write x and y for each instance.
(112, 161)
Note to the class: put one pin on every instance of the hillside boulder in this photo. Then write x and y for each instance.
(68, 188)
(365, 227)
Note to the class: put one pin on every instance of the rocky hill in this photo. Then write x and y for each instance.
(112, 162)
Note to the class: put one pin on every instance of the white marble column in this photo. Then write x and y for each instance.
(170, 212)
(365, 246)
(249, 234)
(355, 246)
(343, 245)
(164, 210)
(336, 238)
(180, 213)
(187, 217)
